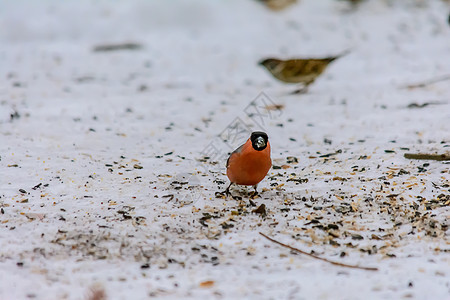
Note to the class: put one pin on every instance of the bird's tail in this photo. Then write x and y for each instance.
(330, 59)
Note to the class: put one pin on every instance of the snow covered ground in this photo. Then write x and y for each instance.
(104, 184)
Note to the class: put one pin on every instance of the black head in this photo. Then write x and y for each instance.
(259, 140)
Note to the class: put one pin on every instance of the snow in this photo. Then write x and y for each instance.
(76, 126)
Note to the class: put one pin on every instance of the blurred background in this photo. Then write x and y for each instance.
(162, 53)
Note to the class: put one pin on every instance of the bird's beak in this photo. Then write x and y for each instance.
(260, 143)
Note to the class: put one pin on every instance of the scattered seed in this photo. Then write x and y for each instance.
(291, 160)
(37, 186)
(207, 284)
(356, 236)
(261, 210)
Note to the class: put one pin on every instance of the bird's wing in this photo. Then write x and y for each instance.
(235, 151)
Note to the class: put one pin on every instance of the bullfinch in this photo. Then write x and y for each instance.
(249, 164)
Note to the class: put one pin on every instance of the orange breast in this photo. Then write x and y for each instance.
(249, 166)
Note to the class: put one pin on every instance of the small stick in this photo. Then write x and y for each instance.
(423, 156)
(317, 257)
(431, 81)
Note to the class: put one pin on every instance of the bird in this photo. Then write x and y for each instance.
(277, 5)
(299, 70)
(354, 3)
(249, 163)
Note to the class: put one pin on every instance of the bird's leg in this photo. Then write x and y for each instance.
(227, 191)
(255, 192)
(302, 90)
(310, 82)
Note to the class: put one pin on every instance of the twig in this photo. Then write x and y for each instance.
(317, 257)
(425, 83)
(117, 47)
(424, 156)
